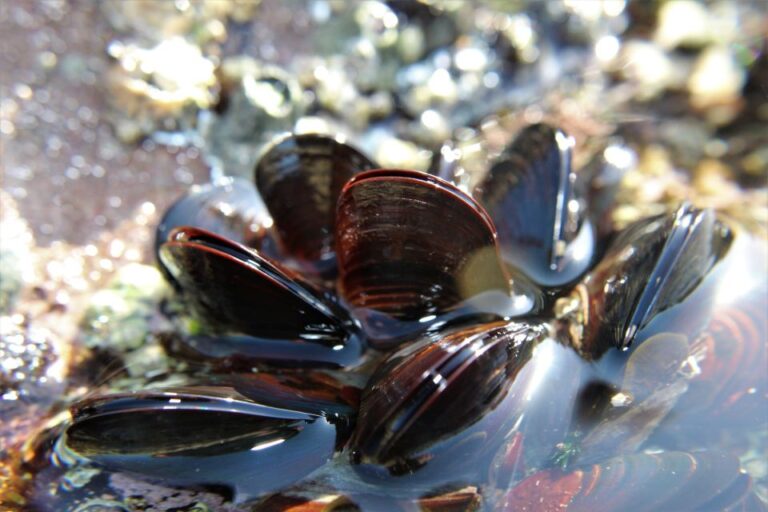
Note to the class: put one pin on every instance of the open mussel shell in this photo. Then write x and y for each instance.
(665, 481)
(530, 195)
(300, 178)
(241, 292)
(437, 411)
(412, 248)
(230, 208)
(652, 266)
(240, 435)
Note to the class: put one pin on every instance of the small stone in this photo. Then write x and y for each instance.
(683, 22)
(716, 78)
(400, 154)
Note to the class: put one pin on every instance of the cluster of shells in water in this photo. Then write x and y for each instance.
(383, 335)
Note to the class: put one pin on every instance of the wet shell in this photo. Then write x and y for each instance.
(231, 209)
(652, 385)
(300, 178)
(239, 437)
(729, 381)
(240, 291)
(530, 194)
(439, 407)
(413, 247)
(653, 265)
(667, 481)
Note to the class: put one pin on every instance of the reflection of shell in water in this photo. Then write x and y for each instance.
(732, 384)
(666, 481)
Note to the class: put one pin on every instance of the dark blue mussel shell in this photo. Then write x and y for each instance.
(437, 411)
(230, 208)
(530, 194)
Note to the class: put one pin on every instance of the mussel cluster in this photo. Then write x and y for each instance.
(387, 336)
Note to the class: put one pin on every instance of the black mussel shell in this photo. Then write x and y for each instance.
(412, 247)
(240, 291)
(666, 481)
(530, 195)
(231, 209)
(240, 436)
(438, 410)
(300, 178)
(650, 267)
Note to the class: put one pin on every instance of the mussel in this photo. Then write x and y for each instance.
(300, 178)
(230, 208)
(439, 409)
(649, 268)
(530, 195)
(413, 248)
(240, 291)
(483, 394)
(252, 435)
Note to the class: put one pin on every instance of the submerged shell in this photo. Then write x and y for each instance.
(530, 194)
(437, 411)
(300, 178)
(653, 384)
(237, 289)
(413, 247)
(667, 481)
(650, 267)
(239, 436)
(728, 377)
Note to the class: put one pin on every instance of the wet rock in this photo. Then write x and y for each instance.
(117, 318)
